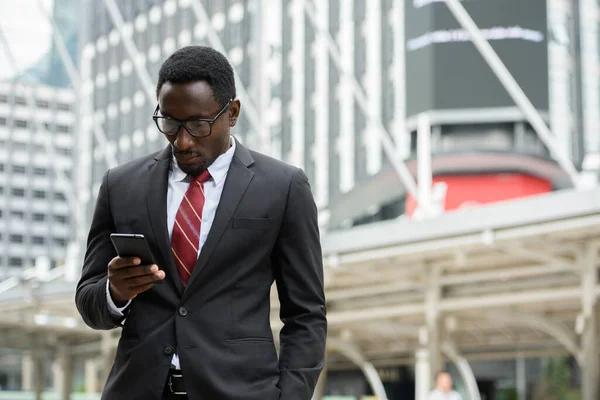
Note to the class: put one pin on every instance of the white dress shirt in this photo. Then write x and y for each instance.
(437, 394)
(178, 185)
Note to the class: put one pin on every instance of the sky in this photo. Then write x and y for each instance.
(27, 32)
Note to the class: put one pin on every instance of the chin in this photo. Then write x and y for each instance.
(193, 170)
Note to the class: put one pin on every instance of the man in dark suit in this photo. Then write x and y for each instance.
(223, 224)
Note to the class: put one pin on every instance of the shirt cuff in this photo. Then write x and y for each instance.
(116, 312)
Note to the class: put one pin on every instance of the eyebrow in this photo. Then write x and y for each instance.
(164, 114)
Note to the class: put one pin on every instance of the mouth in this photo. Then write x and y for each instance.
(183, 158)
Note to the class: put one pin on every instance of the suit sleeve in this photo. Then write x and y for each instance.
(298, 266)
(90, 296)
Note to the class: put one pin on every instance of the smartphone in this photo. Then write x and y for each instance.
(132, 245)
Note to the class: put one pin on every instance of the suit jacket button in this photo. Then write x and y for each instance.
(168, 350)
(183, 311)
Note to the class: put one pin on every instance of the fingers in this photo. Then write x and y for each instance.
(128, 279)
(123, 262)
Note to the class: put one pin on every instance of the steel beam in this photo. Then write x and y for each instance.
(361, 99)
(513, 89)
(353, 353)
(463, 368)
(557, 331)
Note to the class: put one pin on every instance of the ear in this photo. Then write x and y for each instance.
(234, 112)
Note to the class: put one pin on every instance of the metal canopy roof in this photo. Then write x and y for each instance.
(509, 276)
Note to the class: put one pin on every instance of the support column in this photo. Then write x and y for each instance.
(38, 377)
(589, 339)
(433, 326)
(521, 378)
(108, 354)
(91, 376)
(422, 376)
(27, 371)
(62, 369)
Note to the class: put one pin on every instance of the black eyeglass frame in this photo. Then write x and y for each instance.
(210, 121)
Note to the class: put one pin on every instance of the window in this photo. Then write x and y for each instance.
(39, 217)
(18, 192)
(19, 169)
(3, 98)
(60, 242)
(16, 238)
(15, 262)
(2, 121)
(39, 240)
(0, 213)
(19, 123)
(17, 215)
(63, 151)
(63, 107)
(59, 196)
(62, 219)
(39, 194)
(42, 104)
(20, 101)
(63, 129)
(1, 167)
(39, 171)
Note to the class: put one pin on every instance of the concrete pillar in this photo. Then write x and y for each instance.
(521, 378)
(589, 338)
(32, 369)
(91, 376)
(63, 373)
(433, 322)
(38, 377)
(423, 383)
(27, 377)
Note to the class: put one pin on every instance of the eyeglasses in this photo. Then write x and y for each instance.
(197, 127)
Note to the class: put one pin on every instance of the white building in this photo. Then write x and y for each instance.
(36, 141)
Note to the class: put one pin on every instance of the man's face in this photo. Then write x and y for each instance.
(193, 100)
(444, 382)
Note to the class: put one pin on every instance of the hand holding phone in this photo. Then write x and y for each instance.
(133, 271)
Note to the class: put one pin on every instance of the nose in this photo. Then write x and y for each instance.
(183, 140)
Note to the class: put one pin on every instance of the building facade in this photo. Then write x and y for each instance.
(36, 141)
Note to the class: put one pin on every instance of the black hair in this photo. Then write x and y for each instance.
(199, 63)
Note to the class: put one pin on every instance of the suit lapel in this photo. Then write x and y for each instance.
(238, 179)
(156, 198)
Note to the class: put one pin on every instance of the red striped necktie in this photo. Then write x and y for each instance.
(186, 231)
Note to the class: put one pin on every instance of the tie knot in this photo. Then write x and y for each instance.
(203, 177)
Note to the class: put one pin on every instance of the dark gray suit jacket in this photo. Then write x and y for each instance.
(265, 229)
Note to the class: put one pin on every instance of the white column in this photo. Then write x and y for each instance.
(320, 152)
(588, 11)
(433, 323)
(347, 130)
(27, 371)
(372, 34)
(399, 133)
(521, 378)
(91, 376)
(589, 338)
(298, 101)
(423, 382)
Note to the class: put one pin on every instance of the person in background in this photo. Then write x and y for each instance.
(443, 389)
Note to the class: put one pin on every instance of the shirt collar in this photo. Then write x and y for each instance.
(217, 169)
